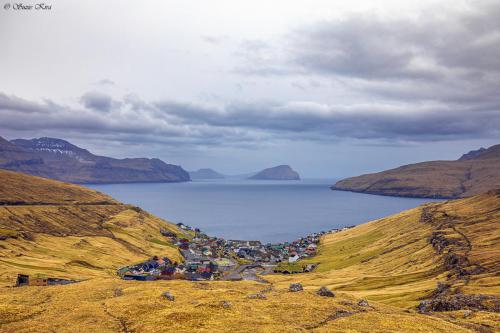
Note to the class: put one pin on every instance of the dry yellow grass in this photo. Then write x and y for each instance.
(111, 305)
(68, 231)
(389, 262)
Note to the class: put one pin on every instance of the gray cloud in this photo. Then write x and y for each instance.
(450, 58)
(426, 47)
(325, 122)
(425, 78)
(251, 124)
(97, 101)
(106, 82)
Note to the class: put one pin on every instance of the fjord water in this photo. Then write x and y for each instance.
(269, 211)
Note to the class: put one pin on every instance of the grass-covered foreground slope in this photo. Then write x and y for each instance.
(474, 173)
(55, 229)
(112, 305)
(392, 262)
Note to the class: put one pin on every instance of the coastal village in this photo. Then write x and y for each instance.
(214, 258)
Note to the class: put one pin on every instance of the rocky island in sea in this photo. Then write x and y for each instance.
(280, 172)
(206, 173)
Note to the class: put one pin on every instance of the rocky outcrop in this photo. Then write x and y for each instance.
(61, 160)
(280, 172)
(474, 173)
(456, 302)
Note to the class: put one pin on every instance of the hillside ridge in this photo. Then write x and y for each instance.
(59, 159)
(473, 173)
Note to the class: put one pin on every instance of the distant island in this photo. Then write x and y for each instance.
(206, 173)
(58, 159)
(475, 172)
(280, 172)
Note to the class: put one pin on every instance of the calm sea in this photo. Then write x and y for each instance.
(269, 211)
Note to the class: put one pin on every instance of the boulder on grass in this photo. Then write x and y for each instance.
(363, 302)
(325, 292)
(294, 287)
(168, 296)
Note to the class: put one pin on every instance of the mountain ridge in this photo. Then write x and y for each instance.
(473, 173)
(59, 159)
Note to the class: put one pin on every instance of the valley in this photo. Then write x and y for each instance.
(429, 269)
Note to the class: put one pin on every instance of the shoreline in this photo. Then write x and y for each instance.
(383, 194)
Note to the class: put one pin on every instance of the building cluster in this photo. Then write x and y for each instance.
(208, 258)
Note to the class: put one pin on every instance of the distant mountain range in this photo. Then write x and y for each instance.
(206, 174)
(61, 160)
(280, 172)
(475, 172)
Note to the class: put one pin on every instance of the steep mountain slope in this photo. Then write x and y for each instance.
(475, 172)
(206, 174)
(446, 253)
(62, 230)
(280, 172)
(59, 159)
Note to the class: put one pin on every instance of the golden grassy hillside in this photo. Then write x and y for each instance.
(393, 262)
(444, 179)
(60, 230)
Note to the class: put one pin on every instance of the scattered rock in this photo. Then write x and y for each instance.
(168, 296)
(325, 292)
(226, 304)
(267, 290)
(467, 313)
(363, 302)
(340, 314)
(441, 289)
(257, 296)
(461, 302)
(294, 287)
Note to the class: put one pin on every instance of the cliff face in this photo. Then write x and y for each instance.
(474, 173)
(206, 174)
(280, 172)
(61, 160)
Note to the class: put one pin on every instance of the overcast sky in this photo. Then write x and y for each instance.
(333, 88)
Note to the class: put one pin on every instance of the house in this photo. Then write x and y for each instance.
(26, 280)
(22, 280)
